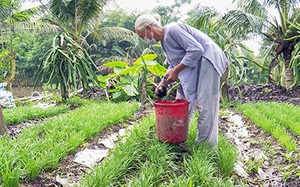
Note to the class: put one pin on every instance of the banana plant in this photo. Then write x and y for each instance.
(67, 65)
(132, 81)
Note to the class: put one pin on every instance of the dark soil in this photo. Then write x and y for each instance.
(247, 93)
(243, 93)
(258, 138)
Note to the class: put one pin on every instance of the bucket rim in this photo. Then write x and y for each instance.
(165, 103)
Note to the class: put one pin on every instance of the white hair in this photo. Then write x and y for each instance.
(146, 19)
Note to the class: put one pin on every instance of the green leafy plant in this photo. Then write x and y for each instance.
(227, 156)
(132, 80)
(287, 171)
(295, 59)
(253, 165)
(66, 64)
(10, 172)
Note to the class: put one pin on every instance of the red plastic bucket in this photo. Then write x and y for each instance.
(172, 120)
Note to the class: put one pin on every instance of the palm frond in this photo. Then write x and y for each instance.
(62, 9)
(79, 13)
(253, 7)
(239, 21)
(206, 17)
(110, 33)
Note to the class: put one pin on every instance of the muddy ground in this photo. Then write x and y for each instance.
(262, 161)
(247, 93)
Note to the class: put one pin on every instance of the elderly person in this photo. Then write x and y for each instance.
(197, 61)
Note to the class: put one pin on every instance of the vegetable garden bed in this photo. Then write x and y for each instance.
(139, 159)
(41, 147)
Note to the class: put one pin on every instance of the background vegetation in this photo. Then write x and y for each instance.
(106, 36)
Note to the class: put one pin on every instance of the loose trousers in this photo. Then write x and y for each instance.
(207, 103)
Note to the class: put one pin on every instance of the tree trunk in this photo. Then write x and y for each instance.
(11, 78)
(64, 92)
(143, 94)
(289, 77)
(289, 71)
(143, 86)
(224, 86)
(3, 128)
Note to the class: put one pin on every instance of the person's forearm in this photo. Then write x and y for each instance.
(172, 74)
(179, 68)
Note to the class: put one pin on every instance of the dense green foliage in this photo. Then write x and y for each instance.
(30, 52)
(100, 34)
(69, 65)
(127, 80)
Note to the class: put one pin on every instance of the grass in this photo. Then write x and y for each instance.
(25, 113)
(141, 160)
(275, 119)
(42, 146)
(29, 112)
(287, 115)
(227, 156)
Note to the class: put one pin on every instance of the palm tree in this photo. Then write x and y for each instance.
(254, 17)
(78, 20)
(210, 21)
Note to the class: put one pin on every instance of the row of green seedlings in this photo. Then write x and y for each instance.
(42, 146)
(277, 119)
(29, 112)
(141, 160)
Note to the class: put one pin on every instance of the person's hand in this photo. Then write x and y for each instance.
(161, 89)
(171, 75)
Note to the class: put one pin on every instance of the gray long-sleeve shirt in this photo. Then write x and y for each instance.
(186, 44)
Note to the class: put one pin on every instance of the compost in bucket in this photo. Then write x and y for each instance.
(171, 120)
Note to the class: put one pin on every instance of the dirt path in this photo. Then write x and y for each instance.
(262, 161)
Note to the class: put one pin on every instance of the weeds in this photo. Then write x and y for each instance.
(254, 164)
